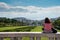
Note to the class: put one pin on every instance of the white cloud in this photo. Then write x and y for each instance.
(33, 12)
(4, 5)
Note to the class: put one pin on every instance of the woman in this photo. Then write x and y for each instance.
(48, 27)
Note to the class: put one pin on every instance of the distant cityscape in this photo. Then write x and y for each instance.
(32, 22)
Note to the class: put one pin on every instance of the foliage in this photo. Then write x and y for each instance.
(57, 23)
(9, 22)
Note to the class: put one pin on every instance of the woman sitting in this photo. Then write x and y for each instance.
(48, 27)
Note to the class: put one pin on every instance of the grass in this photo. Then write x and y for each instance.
(37, 29)
(58, 30)
(16, 29)
(10, 28)
(33, 29)
(13, 29)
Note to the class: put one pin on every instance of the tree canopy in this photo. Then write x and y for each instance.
(57, 23)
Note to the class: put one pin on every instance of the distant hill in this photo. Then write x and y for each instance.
(32, 22)
(53, 19)
(21, 21)
(27, 21)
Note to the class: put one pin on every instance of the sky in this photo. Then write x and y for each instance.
(31, 9)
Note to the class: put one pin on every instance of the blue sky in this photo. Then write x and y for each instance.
(31, 9)
(43, 3)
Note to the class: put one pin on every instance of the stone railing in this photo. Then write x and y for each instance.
(31, 35)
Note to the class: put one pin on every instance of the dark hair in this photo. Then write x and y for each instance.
(47, 20)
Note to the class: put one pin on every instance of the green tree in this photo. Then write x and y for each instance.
(57, 23)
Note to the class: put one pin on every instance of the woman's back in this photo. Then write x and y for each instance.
(47, 26)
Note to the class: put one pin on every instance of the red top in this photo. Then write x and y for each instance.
(47, 26)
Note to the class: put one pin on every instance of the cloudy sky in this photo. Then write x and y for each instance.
(31, 9)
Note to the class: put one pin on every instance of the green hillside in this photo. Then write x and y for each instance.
(22, 29)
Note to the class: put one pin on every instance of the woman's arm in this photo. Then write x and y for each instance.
(52, 25)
